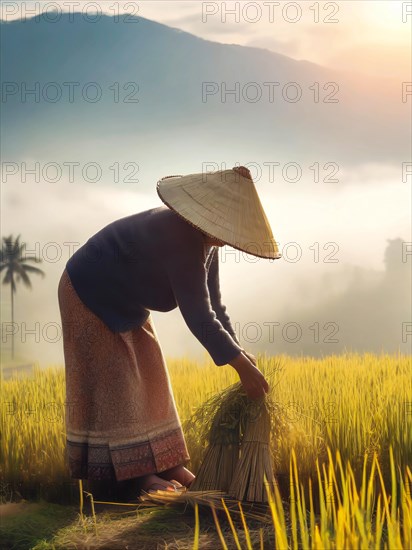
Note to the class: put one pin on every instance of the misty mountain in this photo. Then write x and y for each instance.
(157, 102)
(372, 313)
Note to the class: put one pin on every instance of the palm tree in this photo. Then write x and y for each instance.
(13, 261)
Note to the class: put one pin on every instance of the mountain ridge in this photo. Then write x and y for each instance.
(172, 69)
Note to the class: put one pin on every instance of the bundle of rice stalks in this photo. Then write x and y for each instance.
(238, 456)
(255, 462)
(222, 453)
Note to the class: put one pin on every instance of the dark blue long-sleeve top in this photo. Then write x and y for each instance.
(154, 260)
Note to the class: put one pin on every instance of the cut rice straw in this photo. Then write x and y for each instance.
(238, 456)
(255, 462)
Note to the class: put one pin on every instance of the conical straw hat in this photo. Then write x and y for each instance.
(224, 205)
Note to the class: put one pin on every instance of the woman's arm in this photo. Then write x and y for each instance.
(189, 283)
(213, 284)
(215, 295)
(188, 279)
(245, 363)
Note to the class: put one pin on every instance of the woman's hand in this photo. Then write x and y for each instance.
(251, 357)
(252, 379)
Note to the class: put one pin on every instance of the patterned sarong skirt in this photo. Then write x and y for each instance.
(120, 413)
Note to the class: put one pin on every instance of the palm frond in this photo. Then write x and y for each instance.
(13, 259)
(9, 279)
(32, 269)
(21, 274)
(32, 259)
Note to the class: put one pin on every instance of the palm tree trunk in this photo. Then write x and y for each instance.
(12, 321)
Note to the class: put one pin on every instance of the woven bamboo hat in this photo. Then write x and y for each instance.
(224, 205)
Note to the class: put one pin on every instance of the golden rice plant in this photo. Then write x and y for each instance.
(357, 407)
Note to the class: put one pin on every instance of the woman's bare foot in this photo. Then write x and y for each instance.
(152, 482)
(180, 473)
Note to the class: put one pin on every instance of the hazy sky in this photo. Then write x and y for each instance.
(360, 216)
(367, 36)
(328, 282)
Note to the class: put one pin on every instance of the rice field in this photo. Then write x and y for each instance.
(342, 448)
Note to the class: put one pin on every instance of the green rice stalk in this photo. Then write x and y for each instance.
(219, 529)
(232, 526)
(278, 516)
(93, 511)
(197, 528)
(81, 499)
(246, 529)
